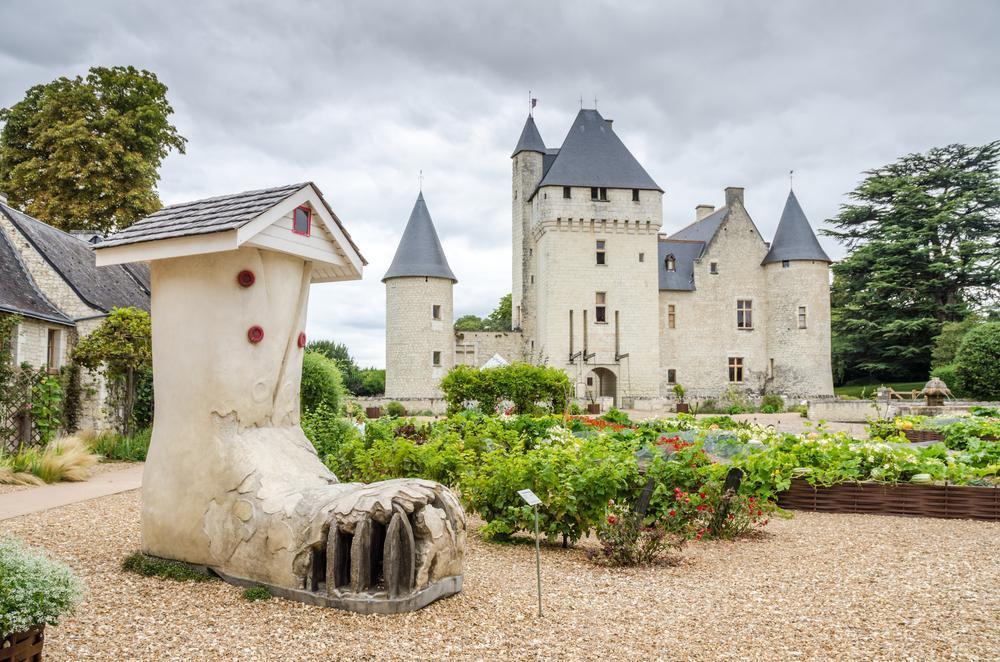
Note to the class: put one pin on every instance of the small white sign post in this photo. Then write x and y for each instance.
(532, 500)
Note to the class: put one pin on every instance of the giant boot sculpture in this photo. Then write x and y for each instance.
(232, 483)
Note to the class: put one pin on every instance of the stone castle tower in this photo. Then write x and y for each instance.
(420, 337)
(798, 277)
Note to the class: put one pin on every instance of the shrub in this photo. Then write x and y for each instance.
(629, 539)
(34, 589)
(46, 406)
(114, 446)
(255, 593)
(521, 384)
(68, 458)
(395, 409)
(575, 409)
(321, 382)
(327, 431)
(978, 362)
(151, 566)
(772, 401)
(949, 340)
(615, 416)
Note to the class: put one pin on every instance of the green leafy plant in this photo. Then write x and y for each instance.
(395, 409)
(115, 446)
(321, 382)
(977, 364)
(151, 566)
(121, 348)
(522, 384)
(255, 593)
(629, 538)
(34, 590)
(46, 406)
(774, 403)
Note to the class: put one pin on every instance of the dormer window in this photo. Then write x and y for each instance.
(671, 263)
(302, 220)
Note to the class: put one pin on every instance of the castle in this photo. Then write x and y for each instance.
(627, 311)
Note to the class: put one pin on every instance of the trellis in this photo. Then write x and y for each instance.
(17, 427)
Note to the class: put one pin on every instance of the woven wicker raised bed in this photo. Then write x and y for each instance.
(23, 646)
(916, 436)
(947, 501)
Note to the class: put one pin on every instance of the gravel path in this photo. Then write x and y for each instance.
(816, 587)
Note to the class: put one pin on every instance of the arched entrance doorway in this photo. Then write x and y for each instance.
(603, 383)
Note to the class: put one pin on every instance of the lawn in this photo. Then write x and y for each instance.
(855, 390)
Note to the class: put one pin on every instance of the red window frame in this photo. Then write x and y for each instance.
(309, 221)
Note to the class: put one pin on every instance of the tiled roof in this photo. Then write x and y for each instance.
(530, 140)
(419, 252)
(794, 239)
(219, 214)
(594, 155)
(704, 229)
(226, 212)
(18, 292)
(103, 288)
(685, 253)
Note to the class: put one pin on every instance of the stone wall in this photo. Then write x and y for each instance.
(706, 336)
(802, 364)
(526, 173)
(412, 336)
(477, 347)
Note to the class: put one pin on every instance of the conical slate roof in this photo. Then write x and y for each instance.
(594, 155)
(419, 252)
(530, 140)
(794, 239)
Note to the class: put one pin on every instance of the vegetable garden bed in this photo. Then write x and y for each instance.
(945, 501)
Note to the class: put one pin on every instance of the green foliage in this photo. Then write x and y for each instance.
(143, 412)
(71, 397)
(630, 539)
(469, 323)
(774, 403)
(358, 381)
(395, 409)
(615, 416)
(977, 364)
(84, 153)
(947, 343)
(34, 589)
(498, 320)
(8, 324)
(115, 446)
(46, 406)
(922, 235)
(521, 384)
(679, 391)
(255, 593)
(152, 566)
(321, 382)
(121, 348)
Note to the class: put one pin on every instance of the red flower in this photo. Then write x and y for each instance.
(701, 495)
(673, 513)
(612, 520)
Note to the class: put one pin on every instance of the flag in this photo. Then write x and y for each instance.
(534, 102)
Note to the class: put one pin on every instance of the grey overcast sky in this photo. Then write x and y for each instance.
(360, 96)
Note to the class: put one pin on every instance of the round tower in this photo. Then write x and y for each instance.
(527, 167)
(797, 270)
(419, 315)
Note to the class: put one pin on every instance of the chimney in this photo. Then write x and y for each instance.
(609, 122)
(701, 211)
(734, 194)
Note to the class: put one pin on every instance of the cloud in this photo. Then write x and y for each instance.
(359, 97)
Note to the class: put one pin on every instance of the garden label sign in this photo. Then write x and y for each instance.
(532, 500)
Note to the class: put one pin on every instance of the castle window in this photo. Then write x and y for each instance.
(671, 263)
(635, 195)
(671, 316)
(302, 220)
(436, 311)
(736, 369)
(602, 256)
(567, 192)
(642, 257)
(671, 376)
(713, 268)
(802, 317)
(599, 193)
(744, 314)
(785, 264)
(436, 359)
(600, 309)
(532, 280)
